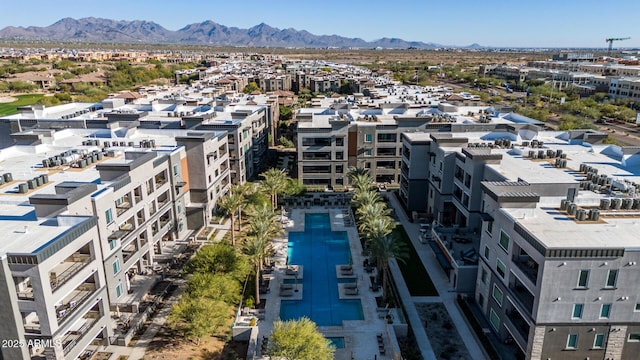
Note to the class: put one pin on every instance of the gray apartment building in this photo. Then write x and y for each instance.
(537, 227)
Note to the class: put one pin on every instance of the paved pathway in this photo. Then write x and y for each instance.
(440, 280)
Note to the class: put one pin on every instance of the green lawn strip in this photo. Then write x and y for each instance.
(413, 271)
(12, 107)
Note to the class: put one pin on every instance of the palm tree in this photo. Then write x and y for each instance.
(244, 191)
(362, 198)
(262, 228)
(372, 210)
(360, 179)
(275, 181)
(375, 228)
(229, 204)
(256, 249)
(381, 250)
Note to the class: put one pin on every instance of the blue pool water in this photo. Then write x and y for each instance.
(319, 250)
(338, 342)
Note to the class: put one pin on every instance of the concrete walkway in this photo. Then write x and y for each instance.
(440, 280)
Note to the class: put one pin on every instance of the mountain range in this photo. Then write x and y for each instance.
(98, 30)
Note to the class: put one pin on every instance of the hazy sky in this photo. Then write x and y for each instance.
(539, 23)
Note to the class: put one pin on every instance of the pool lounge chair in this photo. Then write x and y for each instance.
(352, 285)
(346, 267)
(286, 293)
(351, 291)
(346, 272)
(286, 286)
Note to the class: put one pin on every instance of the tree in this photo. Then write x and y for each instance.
(230, 204)
(243, 191)
(373, 210)
(263, 228)
(298, 340)
(198, 317)
(218, 258)
(214, 286)
(285, 112)
(360, 179)
(251, 87)
(381, 249)
(362, 198)
(274, 182)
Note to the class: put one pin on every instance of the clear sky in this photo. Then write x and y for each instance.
(518, 23)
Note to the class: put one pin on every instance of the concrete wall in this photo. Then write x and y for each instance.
(12, 328)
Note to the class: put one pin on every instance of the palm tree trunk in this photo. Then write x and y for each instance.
(257, 284)
(384, 282)
(233, 231)
(240, 218)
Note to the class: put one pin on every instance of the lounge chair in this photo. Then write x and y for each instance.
(291, 272)
(346, 267)
(346, 272)
(351, 285)
(351, 291)
(286, 293)
(286, 286)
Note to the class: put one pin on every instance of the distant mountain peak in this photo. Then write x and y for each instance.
(91, 29)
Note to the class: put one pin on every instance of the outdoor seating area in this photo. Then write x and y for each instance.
(346, 217)
(348, 290)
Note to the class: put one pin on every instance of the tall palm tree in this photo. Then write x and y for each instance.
(275, 181)
(372, 210)
(360, 179)
(256, 249)
(244, 191)
(375, 228)
(362, 198)
(229, 204)
(381, 250)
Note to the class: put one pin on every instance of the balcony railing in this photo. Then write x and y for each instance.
(32, 328)
(26, 294)
(70, 272)
(123, 207)
(528, 267)
(63, 312)
(523, 296)
(71, 340)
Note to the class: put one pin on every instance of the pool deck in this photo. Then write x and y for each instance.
(361, 336)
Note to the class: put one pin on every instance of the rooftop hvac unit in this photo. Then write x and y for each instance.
(525, 143)
(8, 177)
(106, 144)
(551, 153)
(616, 203)
(130, 144)
(581, 215)
(563, 204)
(627, 204)
(540, 144)
(531, 154)
(45, 163)
(558, 152)
(38, 181)
(636, 203)
(99, 156)
(605, 204)
(23, 188)
(45, 178)
(542, 154)
(563, 155)
(1, 180)
(563, 163)
(572, 208)
(32, 184)
(594, 214)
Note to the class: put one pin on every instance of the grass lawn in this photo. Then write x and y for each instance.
(414, 273)
(12, 107)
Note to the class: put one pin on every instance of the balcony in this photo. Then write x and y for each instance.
(160, 179)
(163, 199)
(123, 204)
(527, 265)
(129, 251)
(64, 271)
(164, 219)
(519, 323)
(71, 303)
(521, 294)
(80, 330)
(31, 323)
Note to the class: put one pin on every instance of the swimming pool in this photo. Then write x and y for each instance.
(319, 250)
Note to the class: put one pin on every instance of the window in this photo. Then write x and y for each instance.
(637, 308)
(489, 227)
(501, 268)
(612, 278)
(368, 152)
(480, 300)
(504, 241)
(339, 155)
(494, 319)
(109, 216)
(583, 278)
(598, 341)
(486, 252)
(175, 169)
(340, 141)
(497, 294)
(368, 138)
(634, 337)
(179, 209)
(112, 244)
(605, 310)
(116, 266)
(572, 341)
(119, 290)
(483, 277)
(577, 311)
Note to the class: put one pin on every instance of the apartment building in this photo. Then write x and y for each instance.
(538, 226)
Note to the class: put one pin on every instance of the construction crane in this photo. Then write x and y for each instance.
(611, 40)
